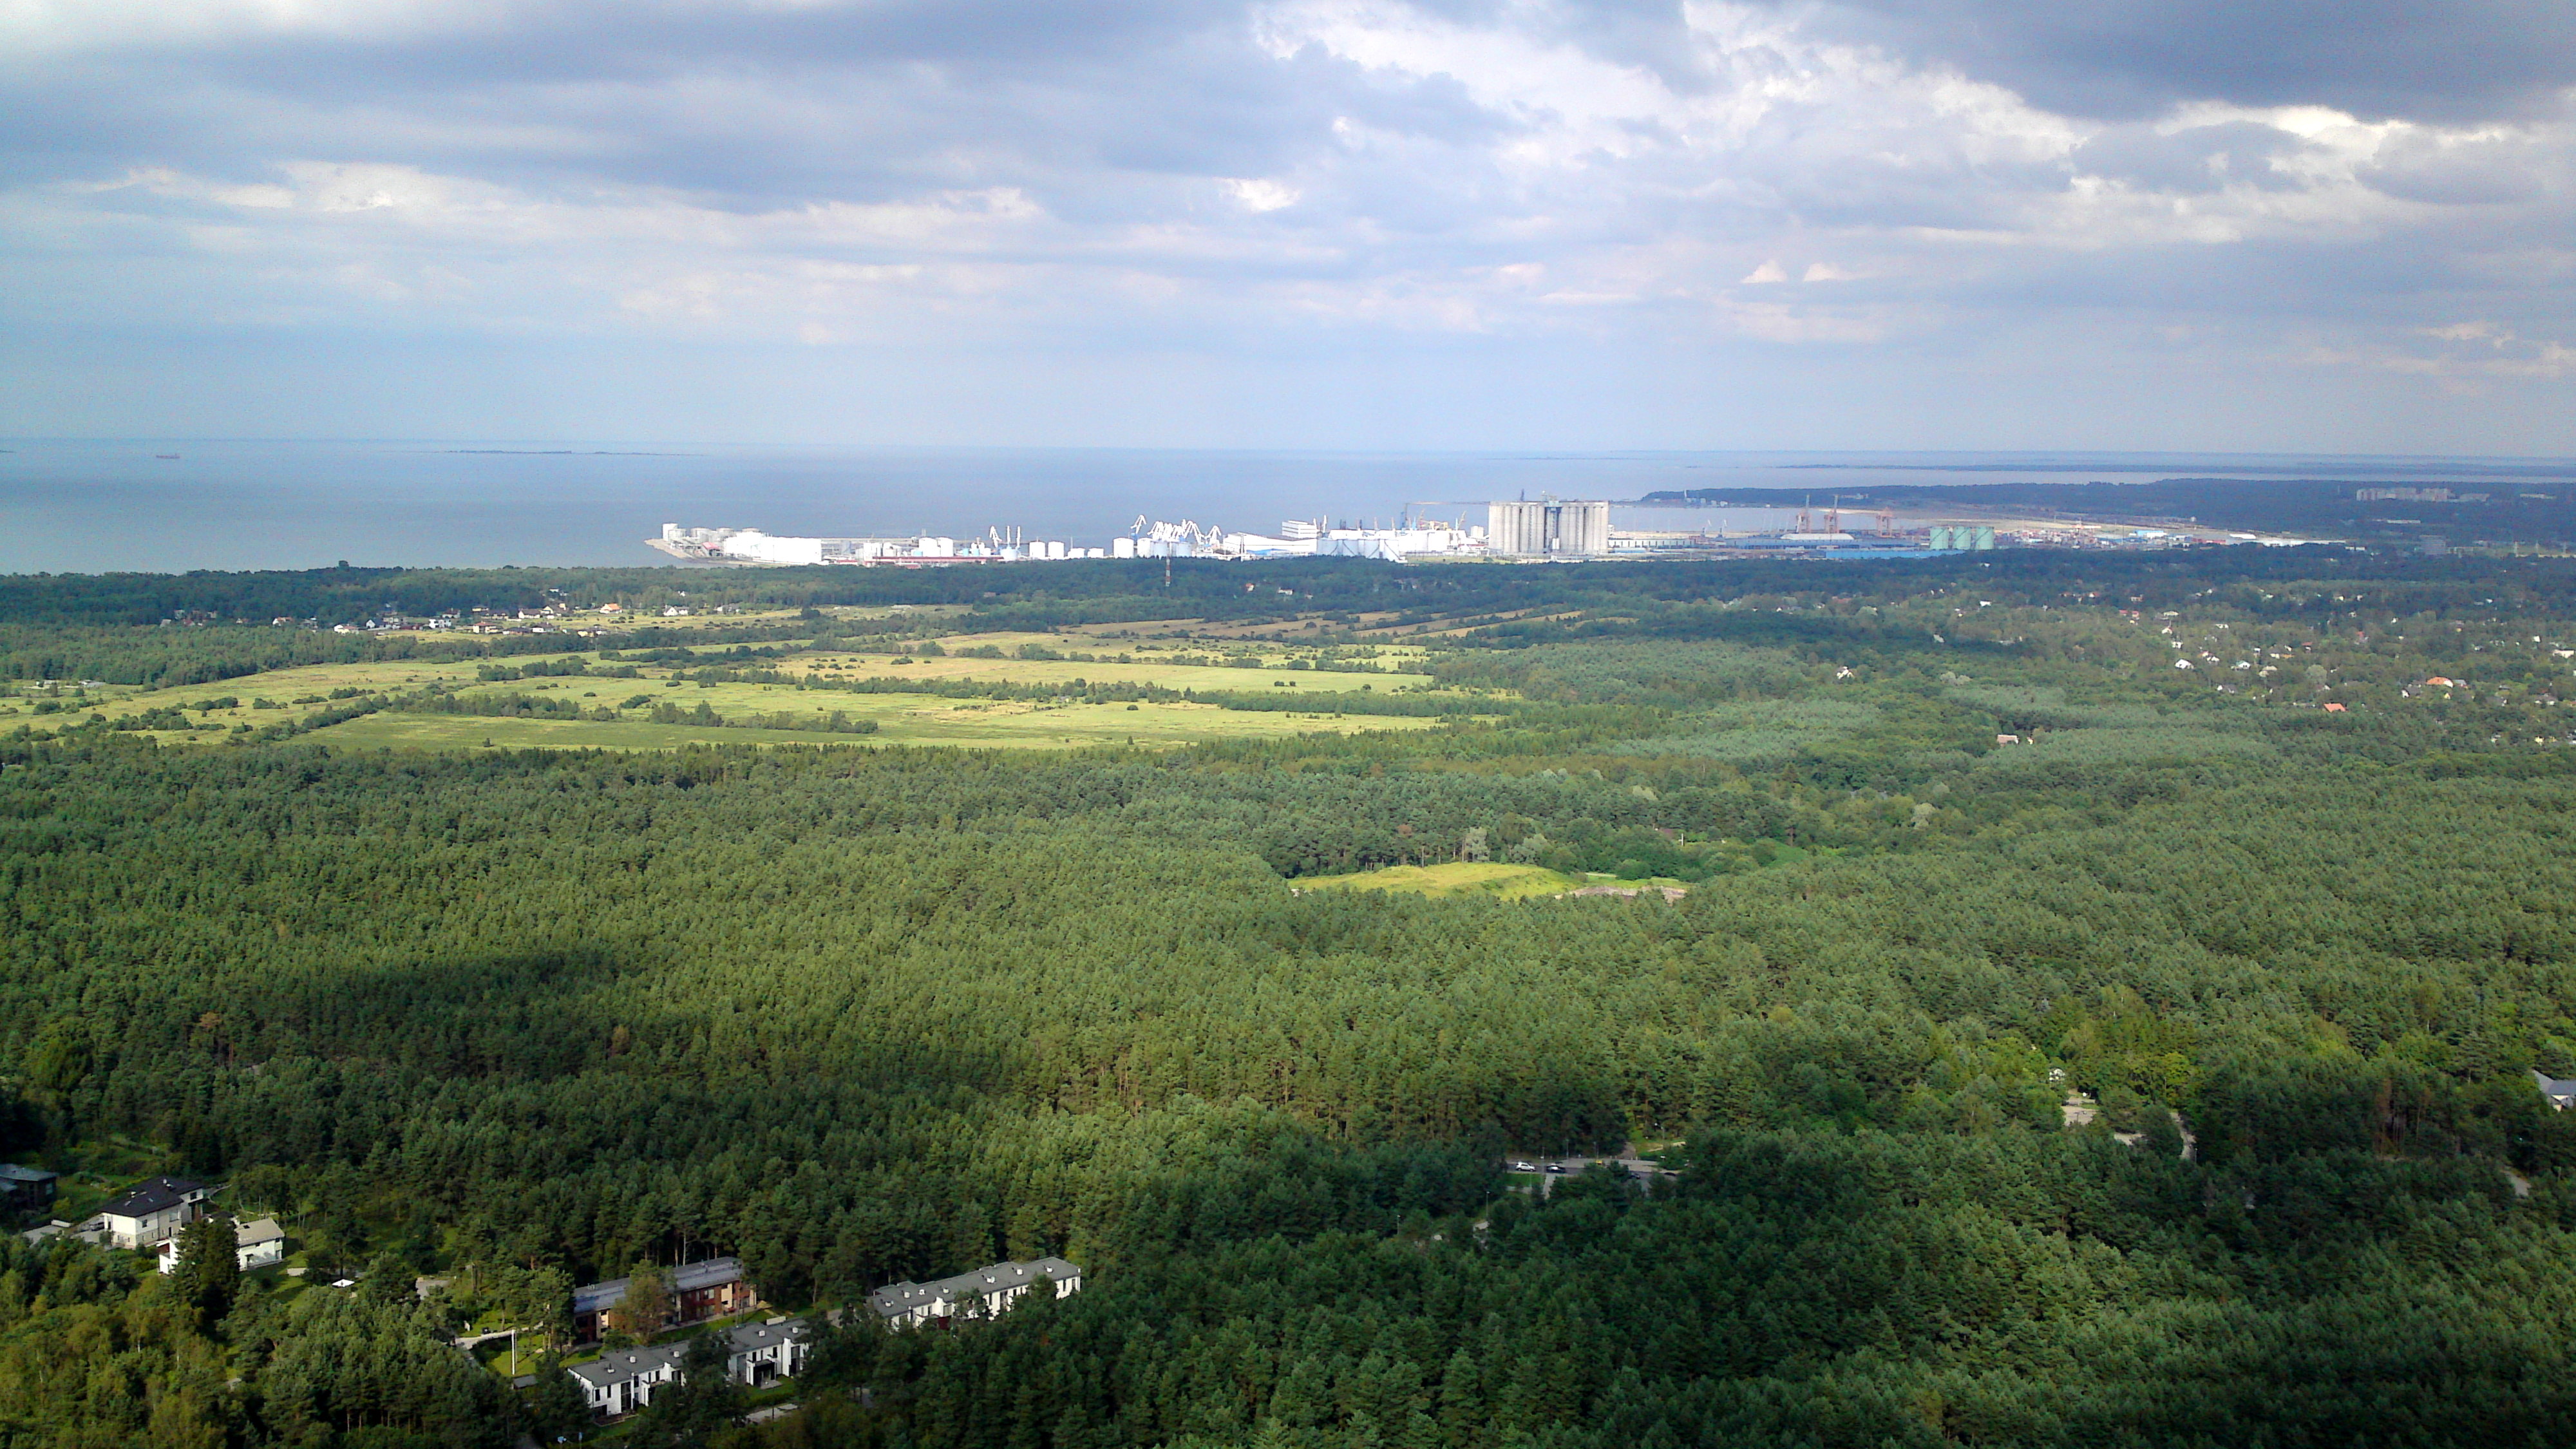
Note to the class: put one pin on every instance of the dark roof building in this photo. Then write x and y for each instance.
(709, 1288)
(983, 1293)
(153, 1211)
(25, 1189)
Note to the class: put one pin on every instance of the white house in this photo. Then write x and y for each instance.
(152, 1212)
(983, 1293)
(623, 1381)
(760, 1352)
(259, 1243)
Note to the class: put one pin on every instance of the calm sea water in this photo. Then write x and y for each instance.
(97, 506)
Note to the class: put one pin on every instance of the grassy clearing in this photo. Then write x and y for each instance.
(1145, 670)
(902, 720)
(905, 719)
(1456, 878)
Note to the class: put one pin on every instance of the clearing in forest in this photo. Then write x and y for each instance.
(1455, 878)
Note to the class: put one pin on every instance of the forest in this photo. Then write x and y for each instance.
(2096, 1004)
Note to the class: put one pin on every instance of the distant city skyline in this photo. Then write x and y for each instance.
(1311, 224)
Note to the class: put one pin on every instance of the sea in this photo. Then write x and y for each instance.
(172, 505)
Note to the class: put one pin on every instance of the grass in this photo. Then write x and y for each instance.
(1456, 878)
(902, 720)
(97, 1170)
(1200, 677)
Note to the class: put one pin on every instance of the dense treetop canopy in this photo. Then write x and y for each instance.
(2159, 1075)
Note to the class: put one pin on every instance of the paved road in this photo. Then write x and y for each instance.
(1556, 1167)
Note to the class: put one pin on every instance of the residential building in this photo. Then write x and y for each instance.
(259, 1243)
(761, 1352)
(983, 1293)
(623, 1381)
(2560, 1091)
(710, 1288)
(153, 1211)
(26, 1189)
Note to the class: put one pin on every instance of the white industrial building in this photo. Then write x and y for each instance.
(752, 546)
(1549, 528)
(1544, 529)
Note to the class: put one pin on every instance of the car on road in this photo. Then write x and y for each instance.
(1524, 1167)
(1556, 1167)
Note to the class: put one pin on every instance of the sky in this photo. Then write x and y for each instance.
(2317, 225)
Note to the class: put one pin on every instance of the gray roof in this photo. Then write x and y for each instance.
(899, 1298)
(2554, 1086)
(11, 1172)
(611, 1369)
(152, 1195)
(754, 1337)
(257, 1230)
(686, 1278)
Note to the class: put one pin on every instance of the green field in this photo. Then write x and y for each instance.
(903, 720)
(909, 719)
(1144, 670)
(1456, 878)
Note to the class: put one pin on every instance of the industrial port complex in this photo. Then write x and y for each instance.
(1515, 531)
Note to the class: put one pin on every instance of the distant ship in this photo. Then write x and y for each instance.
(165, 455)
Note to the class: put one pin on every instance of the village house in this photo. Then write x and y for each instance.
(2560, 1091)
(26, 1189)
(759, 1353)
(259, 1243)
(624, 1380)
(153, 1211)
(710, 1288)
(983, 1293)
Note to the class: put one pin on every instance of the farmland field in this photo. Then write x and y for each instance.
(902, 720)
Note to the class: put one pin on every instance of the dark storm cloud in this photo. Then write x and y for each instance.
(2127, 58)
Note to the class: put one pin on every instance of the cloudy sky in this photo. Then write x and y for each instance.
(2257, 224)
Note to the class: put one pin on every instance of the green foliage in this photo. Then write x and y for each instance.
(528, 1019)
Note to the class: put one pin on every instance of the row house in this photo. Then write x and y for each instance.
(620, 1382)
(984, 1293)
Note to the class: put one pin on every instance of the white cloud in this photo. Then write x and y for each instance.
(1205, 178)
(1260, 194)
